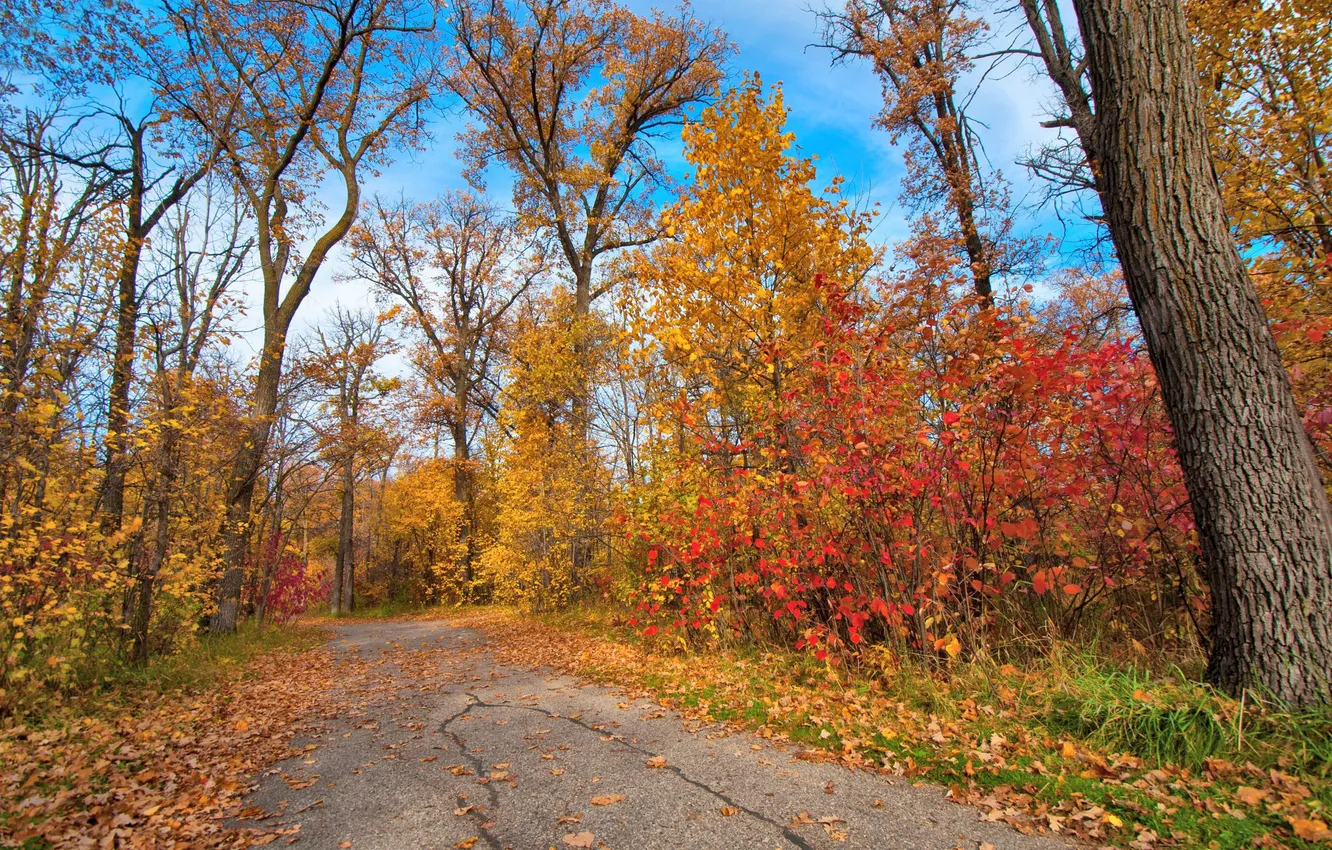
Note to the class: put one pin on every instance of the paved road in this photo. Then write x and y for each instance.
(436, 745)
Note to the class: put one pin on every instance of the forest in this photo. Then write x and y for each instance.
(656, 367)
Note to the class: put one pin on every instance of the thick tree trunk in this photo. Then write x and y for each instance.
(240, 491)
(1263, 518)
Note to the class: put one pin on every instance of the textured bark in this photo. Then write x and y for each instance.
(1263, 517)
(122, 373)
(240, 490)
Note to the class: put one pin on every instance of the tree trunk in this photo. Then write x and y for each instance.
(462, 493)
(122, 373)
(141, 615)
(346, 541)
(1263, 517)
(240, 490)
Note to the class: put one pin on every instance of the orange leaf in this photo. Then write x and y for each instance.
(1311, 830)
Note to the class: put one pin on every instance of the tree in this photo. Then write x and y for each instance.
(185, 316)
(458, 266)
(568, 95)
(133, 144)
(920, 50)
(342, 361)
(729, 300)
(293, 92)
(1263, 516)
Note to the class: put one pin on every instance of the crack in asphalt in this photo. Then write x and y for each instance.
(477, 762)
(702, 786)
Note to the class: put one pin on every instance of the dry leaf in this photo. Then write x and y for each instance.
(727, 811)
(607, 799)
(1311, 830)
(579, 839)
(657, 761)
(466, 843)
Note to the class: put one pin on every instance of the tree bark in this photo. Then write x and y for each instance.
(1262, 514)
(141, 614)
(462, 489)
(122, 373)
(240, 489)
(346, 539)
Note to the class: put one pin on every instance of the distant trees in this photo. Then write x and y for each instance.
(342, 362)
(457, 267)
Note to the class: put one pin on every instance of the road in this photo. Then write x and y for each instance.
(436, 745)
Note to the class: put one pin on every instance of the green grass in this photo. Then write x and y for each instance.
(1173, 721)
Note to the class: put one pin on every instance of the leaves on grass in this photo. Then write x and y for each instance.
(154, 768)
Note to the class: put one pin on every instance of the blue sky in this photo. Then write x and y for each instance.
(832, 110)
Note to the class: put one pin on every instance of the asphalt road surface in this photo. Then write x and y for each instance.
(439, 746)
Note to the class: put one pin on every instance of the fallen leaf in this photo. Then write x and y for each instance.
(727, 811)
(1251, 796)
(579, 839)
(1310, 830)
(607, 799)
(657, 761)
(466, 843)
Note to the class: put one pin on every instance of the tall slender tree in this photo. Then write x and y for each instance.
(294, 93)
